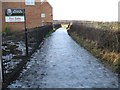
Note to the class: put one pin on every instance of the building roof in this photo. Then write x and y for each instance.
(45, 1)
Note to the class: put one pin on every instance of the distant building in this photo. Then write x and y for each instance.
(37, 14)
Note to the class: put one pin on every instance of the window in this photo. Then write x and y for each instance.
(29, 2)
(43, 15)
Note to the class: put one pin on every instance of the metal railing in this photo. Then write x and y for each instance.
(14, 51)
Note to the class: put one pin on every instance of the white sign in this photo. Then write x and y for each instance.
(14, 15)
(43, 15)
(14, 19)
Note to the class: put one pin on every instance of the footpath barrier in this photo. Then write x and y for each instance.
(14, 51)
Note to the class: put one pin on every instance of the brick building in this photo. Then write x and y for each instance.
(46, 13)
(37, 12)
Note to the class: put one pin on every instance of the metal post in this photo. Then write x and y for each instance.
(1, 73)
(26, 36)
(1, 62)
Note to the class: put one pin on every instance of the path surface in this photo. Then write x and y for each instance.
(62, 63)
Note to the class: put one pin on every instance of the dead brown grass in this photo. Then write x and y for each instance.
(111, 59)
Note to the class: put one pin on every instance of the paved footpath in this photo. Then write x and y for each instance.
(62, 63)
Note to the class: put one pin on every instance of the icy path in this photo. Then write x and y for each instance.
(62, 63)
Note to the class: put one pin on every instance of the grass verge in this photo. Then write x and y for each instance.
(109, 59)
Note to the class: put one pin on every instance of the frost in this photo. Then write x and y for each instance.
(7, 58)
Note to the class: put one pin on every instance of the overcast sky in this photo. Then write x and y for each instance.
(97, 10)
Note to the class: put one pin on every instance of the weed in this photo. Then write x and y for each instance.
(7, 30)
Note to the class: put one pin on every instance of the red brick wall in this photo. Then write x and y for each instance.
(47, 9)
(33, 14)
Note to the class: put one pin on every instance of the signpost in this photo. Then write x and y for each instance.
(17, 15)
(26, 38)
(14, 15)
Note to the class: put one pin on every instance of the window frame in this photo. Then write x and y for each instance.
(43, 15)
(30, 2)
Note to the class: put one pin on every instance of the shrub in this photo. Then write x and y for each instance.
(7, 30)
